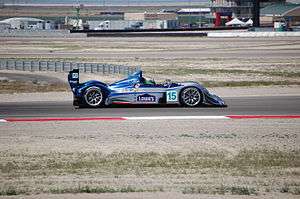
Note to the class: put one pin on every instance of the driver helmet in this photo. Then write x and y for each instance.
(148, 81)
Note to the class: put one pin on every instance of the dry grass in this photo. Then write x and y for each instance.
(221, 190)
(8, 86)
(124, 163)
(17, 169)
(13, 190)
(215, 157)
(187, 71)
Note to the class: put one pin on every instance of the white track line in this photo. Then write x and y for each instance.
(177, 118)
(225, 117)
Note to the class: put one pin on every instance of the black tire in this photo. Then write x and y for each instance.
(191, 97)
(94, 97)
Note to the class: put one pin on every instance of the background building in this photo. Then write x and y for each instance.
(194, 17)
(150, 16)
(287, 12)
(24, 23)
(225, 10)
(114, 25)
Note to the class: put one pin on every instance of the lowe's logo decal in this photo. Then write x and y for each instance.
(146, 98)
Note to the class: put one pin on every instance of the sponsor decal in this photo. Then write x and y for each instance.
(73, 81)
(146, 98)
(75, 75)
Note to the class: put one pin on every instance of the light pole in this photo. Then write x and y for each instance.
(256, 13)
(128, 22)
(190, 20)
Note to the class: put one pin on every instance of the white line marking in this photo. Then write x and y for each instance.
(2, 120)
(177, 118)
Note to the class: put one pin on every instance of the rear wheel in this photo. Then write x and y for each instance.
(191, 97)
(94, 97)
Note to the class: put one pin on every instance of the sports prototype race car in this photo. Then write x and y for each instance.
(136, 89)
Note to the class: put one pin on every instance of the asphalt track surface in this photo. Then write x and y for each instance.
(267, 105)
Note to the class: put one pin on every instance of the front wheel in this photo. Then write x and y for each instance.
(94, 97)
(191, 97)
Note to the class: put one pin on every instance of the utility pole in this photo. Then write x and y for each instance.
(78, 8)
(1, 3)
(256, 13)
(77, 16)
(190, 20)
(128, 21)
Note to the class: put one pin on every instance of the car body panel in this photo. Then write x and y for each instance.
(133, 90)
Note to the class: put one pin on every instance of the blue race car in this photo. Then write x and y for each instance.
(137, 89)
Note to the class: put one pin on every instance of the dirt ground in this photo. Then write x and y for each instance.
(240, 158)
(213, 61)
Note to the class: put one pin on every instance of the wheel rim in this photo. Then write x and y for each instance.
(93, 97)
(191, 96)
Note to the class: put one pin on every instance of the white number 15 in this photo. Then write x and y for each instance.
(172, 96)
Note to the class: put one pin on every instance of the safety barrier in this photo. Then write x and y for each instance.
(61, 66)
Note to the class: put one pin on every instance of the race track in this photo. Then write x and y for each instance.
(267, 105)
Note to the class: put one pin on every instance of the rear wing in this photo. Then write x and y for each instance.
(73, 78)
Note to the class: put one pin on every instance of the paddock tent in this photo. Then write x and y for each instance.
(4, 26)
(235, 22)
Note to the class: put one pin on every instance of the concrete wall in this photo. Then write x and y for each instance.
(253, 34)
(160, 16)
(111, 25)
(153, 24)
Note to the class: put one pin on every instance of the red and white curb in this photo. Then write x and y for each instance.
(177, 118)
(53, 119)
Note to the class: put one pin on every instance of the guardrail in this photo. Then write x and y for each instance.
(61, 66)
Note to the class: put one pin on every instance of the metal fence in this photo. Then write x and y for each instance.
(60, 66)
